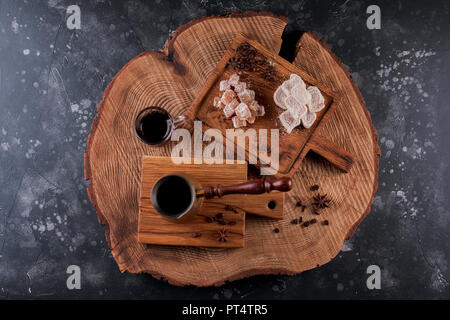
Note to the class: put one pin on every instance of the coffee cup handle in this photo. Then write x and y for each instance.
(179, 120)
(182, 121)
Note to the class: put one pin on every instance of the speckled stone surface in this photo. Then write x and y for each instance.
(52, 78)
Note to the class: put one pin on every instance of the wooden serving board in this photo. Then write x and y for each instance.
(291, 146)
(155, 229)
(113, 158)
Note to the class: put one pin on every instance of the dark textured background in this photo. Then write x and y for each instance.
(52, 78)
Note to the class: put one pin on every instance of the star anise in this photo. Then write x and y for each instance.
(321, 201)
(222, 235)
(233, 62)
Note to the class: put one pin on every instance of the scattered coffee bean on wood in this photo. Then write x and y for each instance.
(276, 230)
(300, 219)
(305, 224)
(295, 221)
(312, 221)
(314, 187)
(303, 208)
(325, 222)
(247, 58)
(196, 234)
(221, 222)
(299, 203)
(209, 219)
(231, 208)
(219, 215)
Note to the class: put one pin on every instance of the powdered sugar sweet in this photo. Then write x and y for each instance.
(238, 102)
(300, 102)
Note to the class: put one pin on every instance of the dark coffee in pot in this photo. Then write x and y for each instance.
(174, 195)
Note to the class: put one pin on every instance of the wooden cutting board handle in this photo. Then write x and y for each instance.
(337, 156)
(282, 184)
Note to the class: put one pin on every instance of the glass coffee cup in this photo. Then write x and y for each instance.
(154, 125)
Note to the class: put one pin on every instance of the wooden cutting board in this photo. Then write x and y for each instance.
(293, 146)
(155, 229)
(113, 158)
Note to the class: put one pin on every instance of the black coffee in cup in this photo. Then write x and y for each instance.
(154, 125)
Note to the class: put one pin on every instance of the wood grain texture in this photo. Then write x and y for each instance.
(290, 145)
(268, 205)
(339, 157)
(155, 229)
(171, 79)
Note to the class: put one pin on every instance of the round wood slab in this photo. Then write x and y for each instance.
(171, 79)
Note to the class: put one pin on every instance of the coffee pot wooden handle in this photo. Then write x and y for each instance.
(283, 184)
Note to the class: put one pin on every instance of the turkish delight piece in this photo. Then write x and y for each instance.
(302, 95)
(228, 96)
(257, 108)
(317, 100)
(288, 121)
(288, 85)
(228, 110)
(234, 103)
(224, 85)
(308, 119)
(247, 96)
(297, 80)
(260, 111)
(289, 101)
(251, 93)
(243, 112)
(295, 77)
(234, 79)
(253, 105)
(279, 96)
(241, 86)
(237, 123)
(252, 118)
(297, 109)
(217, 103)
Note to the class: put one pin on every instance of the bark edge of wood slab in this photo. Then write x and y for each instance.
(282, 184)
(112, 149)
